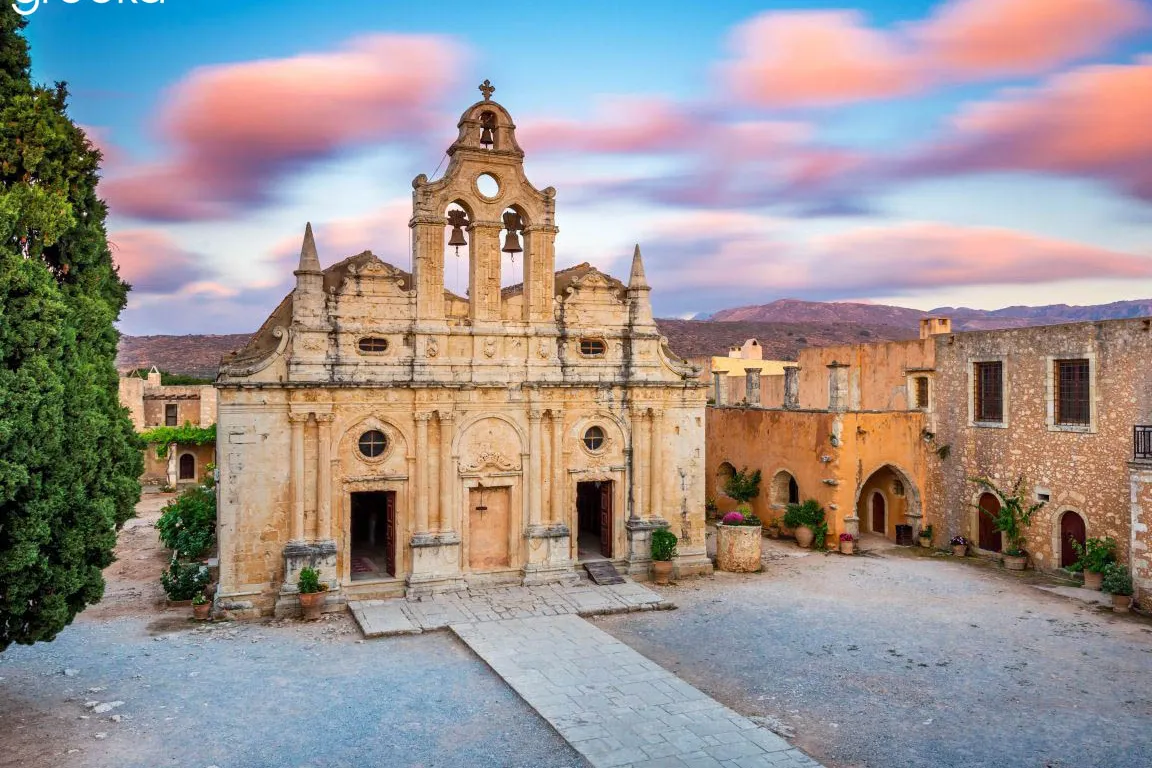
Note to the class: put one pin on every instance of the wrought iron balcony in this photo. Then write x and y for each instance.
(1142, 443)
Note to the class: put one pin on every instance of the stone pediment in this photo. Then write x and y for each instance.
(595, 287)
(374, 277)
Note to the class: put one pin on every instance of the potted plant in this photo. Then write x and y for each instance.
(1118, 583)
(711, 508)
(663, 550)
(926, 537)
(311, 591)
(183, 581)
(1011, 520)
(773, 528)
(959, 546)
(738, 542)
(806, 521)
(1095, 555)
(201, 607)
(847, 544)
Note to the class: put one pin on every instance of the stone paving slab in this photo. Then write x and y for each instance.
(379, 618)
(616, 707)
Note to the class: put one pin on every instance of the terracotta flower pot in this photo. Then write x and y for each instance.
(1015, 562)
(1093, 580)
(201, 612)
(738, 548)
(662, 571)
(959, 550)
(804, 536)
(926, 542)
(847, 547)
(1121, 603)
(311, 604)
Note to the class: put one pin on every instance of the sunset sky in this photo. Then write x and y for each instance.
(960, 152)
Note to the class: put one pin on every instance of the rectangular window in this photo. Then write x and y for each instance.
(170, 415)
(988, 380)
(922, 392)
(1072, 397)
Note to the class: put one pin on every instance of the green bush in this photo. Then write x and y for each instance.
(810, 513)
(309, 581)
(743, 486)
(1095, 554)
(663, 544)
(188, 524)
(1117, 580)
(183, 581)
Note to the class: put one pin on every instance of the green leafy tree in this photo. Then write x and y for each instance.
(69, 459)
(743, 486)
(1015, 514)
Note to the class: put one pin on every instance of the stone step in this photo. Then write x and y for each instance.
(603, 572)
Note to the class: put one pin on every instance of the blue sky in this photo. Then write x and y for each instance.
(961, 152)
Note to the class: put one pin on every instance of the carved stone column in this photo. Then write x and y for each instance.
(792, 387)
(535, 476)
(719, 389)
(448, 508)
(296, 422)
(556, 511)
(484, 271)
(639, 460)
(420, 481)
(324, 475)
(656, 470)
(752, 386)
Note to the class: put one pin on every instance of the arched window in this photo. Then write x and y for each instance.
(724, 473)
(187, 467)
(785, 490)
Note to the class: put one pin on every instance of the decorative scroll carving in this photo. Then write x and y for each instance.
(488, 455)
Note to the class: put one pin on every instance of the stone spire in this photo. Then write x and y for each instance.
(309, 258)
(637, 279)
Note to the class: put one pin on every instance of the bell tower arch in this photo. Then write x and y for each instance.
(485, 176)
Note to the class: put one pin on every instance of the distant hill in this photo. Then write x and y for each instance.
(963, 319)
(197, 356)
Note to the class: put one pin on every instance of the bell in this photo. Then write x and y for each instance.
(457, 220)
(512, 243)
(486, 137)
(457, 237)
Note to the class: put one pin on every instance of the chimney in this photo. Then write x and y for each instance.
(934, 326)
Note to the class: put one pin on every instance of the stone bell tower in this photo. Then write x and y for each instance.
(485, 152)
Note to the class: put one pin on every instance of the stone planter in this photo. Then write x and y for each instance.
(311, 604)
(847, 547)
(1015, 562)
(959, 550)
(738, 548)
(804, 536)
(1121, 603)
(1093, 580)
(662, 571)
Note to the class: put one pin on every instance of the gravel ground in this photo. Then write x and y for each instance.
(279, 694)
(904, 660)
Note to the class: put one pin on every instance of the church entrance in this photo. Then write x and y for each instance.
(594, 519)
(373, 535)
(489, 528)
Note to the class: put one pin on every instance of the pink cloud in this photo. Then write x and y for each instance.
(620, 125)
(817, 58)
(973, 38)
(152, 262)
(234, 129)
(822, 58)
(1092, 122)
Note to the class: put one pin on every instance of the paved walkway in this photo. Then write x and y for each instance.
(615, 706)
(398, 616)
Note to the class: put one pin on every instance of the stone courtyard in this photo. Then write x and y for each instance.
(892, 658)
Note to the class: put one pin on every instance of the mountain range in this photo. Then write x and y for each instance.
(783, 327)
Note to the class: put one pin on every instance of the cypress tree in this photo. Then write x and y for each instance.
(69, 458)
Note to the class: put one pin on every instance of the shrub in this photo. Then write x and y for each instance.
(183, 581)
(743, 486)
(188, 524)
(1013, 516)
(663, 545)
(1095, 554)
(309, 581)
(200, 599)
(926, 532)
(810, 513)
(741, 518)
(1117, 580)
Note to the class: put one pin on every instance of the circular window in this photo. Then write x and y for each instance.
(594, 438)
(372, 443)
(487, 185)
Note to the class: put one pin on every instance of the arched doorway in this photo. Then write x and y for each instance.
(879, 514)
(989, 538)
(1071, 529)
(187, 467)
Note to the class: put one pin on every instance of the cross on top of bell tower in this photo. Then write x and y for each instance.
(487, 89)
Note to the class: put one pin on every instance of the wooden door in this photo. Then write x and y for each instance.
(989, 536)
(1071, 528)
(489, 527)
(879, 514)
(606, 519)
(390, 532)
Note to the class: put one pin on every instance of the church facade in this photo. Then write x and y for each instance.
(407, 440)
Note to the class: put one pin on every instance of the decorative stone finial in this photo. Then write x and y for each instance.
(637, 278)
(309, 258)
(487, 89)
